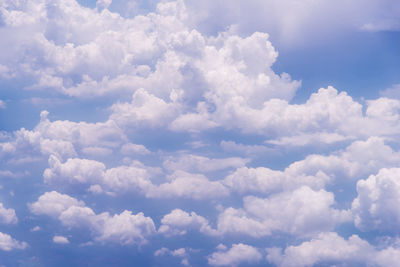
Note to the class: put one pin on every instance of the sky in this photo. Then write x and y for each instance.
(199, 133)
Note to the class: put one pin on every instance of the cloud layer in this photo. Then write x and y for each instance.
(165, 130)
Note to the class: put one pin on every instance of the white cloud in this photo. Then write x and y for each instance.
(180, 79)
(94, 176)
(65, 138)
(178, 222)
(7, 243)
(322, 117)
(193, 122)
(310, 139)
(145, 109)
(79, 61)
(240, 71)
(180, 253)
(10, 174)
(134, 149)
(223, 72)
(316, 171)
(331, 248)
(352, 161)
(133, 178)
(124, 228)
(377, 202)
(53, 204)
(7, 216)
(221, 247)
(73, 171)
(300, 212)
(384, 109)
(162, 251)
(62, 240)
(236, 255)
(188, 185)
(264, 180)
(358, 159)
(107, 134)
(154, 57)
(391, 92)
(323, 111)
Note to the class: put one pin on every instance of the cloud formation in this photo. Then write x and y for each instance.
(7, 216)
(237, 254)
(7, 243)
(376, 205)
(62, 240)
(125, 228)
(171, 121)
(301, 212)
(330, 247)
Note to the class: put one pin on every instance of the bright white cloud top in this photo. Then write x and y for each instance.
(163, 134)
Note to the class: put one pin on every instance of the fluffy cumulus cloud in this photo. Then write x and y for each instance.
(7, 243)
(77, 170)
(331, 248)
(317, 171)
(63, 139)
(179, 78)
(159, 72)
(376, 205)
(303, 212)
(359, 158)
(95, 178)
(175, 125)
(188, 185)
(53, 204)
(7, 216)
(178, 222)
(265, 180)
(328, 116)
(300, 212)
(237, 254)
(78, 62)
(125, 228)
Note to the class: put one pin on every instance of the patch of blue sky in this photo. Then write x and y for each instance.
(360, 63)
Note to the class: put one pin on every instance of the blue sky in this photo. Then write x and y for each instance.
(212, 133)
